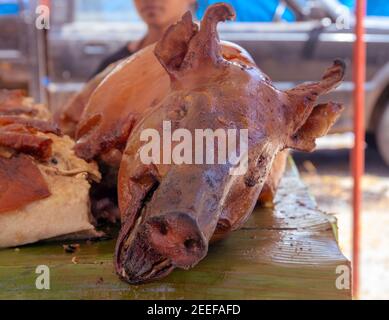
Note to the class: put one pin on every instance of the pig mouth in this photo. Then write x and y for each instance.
(123, 252)
(153, 246)
(139, 263)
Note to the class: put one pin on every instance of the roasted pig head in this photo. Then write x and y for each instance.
(171, 210)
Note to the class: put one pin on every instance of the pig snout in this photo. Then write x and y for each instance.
(174, 225)
(178, 237)
(161, 244)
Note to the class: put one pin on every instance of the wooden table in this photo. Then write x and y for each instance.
(289, 252)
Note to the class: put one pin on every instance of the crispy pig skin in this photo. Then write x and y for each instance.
(171, 212)
(21, 183)
(23, 135)
(21, 122)
(36, 146)
(32, 125)
(15, 103)
(11, 103)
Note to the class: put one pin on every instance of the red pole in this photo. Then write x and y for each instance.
(359, 128)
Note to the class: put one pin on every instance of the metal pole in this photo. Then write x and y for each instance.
(359, 128)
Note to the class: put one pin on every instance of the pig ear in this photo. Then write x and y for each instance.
(185, 48)
(173, 47)
(317, 125)
(330, 81)
(303, 98)
(205, 48)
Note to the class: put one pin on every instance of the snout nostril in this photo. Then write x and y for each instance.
(190, 244)
(163, 228)
(159, 226)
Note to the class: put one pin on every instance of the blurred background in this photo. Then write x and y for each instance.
(291, 40)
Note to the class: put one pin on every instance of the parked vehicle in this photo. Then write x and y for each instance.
(298, 41)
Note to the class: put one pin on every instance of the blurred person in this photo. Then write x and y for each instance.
(158, 15)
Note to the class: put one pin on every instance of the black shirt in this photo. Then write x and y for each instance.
(118, 55)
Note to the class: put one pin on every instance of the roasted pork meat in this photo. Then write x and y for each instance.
(15, 103)
(44, 186)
